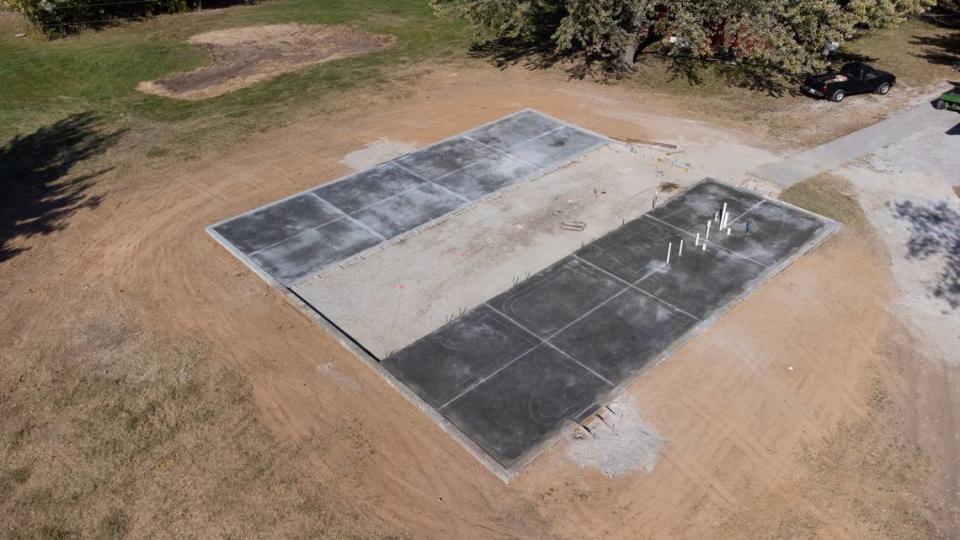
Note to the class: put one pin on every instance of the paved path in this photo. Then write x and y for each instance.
(832, 155)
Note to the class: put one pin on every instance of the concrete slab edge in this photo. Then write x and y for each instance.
(373, 363)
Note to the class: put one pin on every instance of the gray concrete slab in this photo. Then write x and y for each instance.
(623, 335)
(555, 297)
(557, 146)
(692, 209)
(368, 187)
(397, 197)
(700, 282)
(446, 157)
(524, 404)
(409, 210)
(313, 249)
(515, 130)
(635, 249)
(442, 365)
(480, 179)
(267, 226)
(775, 232)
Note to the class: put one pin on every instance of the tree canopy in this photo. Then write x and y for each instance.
(786, 34)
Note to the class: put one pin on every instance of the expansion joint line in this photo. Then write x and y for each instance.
(638, 289)
(540, 341)
(518, 145)
(546, 340)
(435, 184)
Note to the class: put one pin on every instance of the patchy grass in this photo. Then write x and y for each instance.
(830, 196)
(106, 432)
(915, 51)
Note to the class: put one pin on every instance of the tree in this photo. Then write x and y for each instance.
(786, 34)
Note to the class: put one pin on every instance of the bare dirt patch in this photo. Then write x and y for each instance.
(248, 55)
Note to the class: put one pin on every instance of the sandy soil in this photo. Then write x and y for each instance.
(793, 416)
(248, 55)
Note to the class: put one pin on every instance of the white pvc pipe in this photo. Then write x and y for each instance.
(669, 249)
(723, 217)
(697, 241)
(707, 237)
(728, 231)
(680, 251)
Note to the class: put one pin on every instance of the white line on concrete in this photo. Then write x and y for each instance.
(638, 289)
(506, 153)
(541, 341)
(455, 194)
(542, 135)
(546, 340)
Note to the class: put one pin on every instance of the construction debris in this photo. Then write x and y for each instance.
(630, 140)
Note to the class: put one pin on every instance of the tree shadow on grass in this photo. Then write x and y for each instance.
(755, 78)
(37, 193)
(504, 53)
(941, 49)
(935, 231)
(838, 58)
(534, 54)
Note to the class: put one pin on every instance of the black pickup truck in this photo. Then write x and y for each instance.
(854, 78)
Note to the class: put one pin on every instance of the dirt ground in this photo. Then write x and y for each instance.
(794, 416)
(245, 56)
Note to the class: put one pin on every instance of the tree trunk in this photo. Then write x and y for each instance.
(629, 55)
(640, 41)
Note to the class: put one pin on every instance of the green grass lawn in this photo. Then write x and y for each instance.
(98, 71)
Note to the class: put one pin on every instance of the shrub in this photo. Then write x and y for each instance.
(57, 18)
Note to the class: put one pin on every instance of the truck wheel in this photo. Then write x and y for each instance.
(940, 104)
(883, 89)
(837, 96)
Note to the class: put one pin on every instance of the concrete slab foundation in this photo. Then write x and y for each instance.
(463, 285)
(287, 239)
(601, 315)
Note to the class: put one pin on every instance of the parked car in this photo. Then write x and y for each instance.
(854, 78)
(949, 100)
